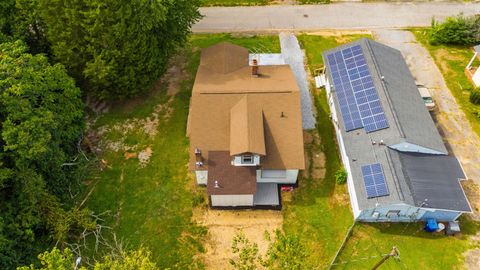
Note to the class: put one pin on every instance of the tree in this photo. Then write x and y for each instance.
(117, 49)
(247, 251)
(458, 30)
(19, 19)
(41, 120)
(65, 260)
(286, 252)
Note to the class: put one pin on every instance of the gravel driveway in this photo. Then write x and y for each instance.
(294, 56)
(452, 122)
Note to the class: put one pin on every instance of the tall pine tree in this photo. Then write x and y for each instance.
(117, 48)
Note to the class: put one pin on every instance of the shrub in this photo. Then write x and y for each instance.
(341, 176)
(475, 96)
(458, 30)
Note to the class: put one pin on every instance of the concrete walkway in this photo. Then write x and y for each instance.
(453, 123)
(332, 16)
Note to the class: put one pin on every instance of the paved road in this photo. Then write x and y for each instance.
(332, 16)
(454, 126)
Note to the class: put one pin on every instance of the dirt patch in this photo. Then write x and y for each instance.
(175, 74)
(472, 259)
(445, 54)
(339, 33)
(472, 256)
(223, 225)
(97, 141)
(472, 191)
(314, 157)
(318, 169)
(129, 155)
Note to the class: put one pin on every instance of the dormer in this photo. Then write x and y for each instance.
(246, 159)
(247, 139)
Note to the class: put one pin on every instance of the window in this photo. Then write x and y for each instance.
(247, 159)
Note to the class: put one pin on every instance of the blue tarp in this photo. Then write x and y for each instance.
(431, 225)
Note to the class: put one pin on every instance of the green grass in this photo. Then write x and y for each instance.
(230, 3)
(452, 61)
(151, 206)
(418, 249)
(319, 212)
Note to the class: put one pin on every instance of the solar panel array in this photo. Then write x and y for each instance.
(356, 93)
(374, 180)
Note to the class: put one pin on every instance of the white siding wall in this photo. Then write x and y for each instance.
(237, 161)
(232, 200)
(407, 213)
(277, 176)
(202, 177)
(343, 153)
(476, 78)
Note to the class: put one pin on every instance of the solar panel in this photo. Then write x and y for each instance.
(374, 180)
(356, 93)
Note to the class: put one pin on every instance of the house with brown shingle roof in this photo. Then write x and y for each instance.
(245, 128)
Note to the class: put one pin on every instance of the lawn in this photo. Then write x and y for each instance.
(150, 204)
(320, 212)
(452, 61)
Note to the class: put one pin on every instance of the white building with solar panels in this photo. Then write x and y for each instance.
(398, 166)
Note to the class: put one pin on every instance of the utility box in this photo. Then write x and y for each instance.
(452, 228)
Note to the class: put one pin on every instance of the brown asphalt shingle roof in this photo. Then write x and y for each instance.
(275, 93)
(231, 179)
(246, 128)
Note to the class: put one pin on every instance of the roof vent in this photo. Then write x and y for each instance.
(374, 142)
(198, 151)
(381, 142)
(199, 163)
(255, 68)
(282, 115)
(216, 184)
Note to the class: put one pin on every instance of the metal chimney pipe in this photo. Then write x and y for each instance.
(255, 68)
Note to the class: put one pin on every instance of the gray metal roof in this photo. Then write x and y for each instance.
(433, 180)
(414, 120)
(267, 194)
(409, 122)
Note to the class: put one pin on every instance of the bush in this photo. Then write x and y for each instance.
(475, 96)
(458, 30)
(341, 176)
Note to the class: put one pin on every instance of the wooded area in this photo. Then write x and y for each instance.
(53, 54)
